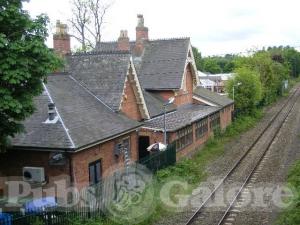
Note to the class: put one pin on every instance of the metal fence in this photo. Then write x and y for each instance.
(160, 160)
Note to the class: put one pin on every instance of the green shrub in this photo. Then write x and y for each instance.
(290, 216)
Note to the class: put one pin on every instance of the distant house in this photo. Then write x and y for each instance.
(106, 108)
(214, 82)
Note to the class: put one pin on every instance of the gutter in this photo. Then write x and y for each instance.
(72, 150)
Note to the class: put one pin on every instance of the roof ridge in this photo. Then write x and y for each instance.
(168, 39)
(111, 52)
(157, 39)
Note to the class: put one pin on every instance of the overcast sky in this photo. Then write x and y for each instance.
(215, 26)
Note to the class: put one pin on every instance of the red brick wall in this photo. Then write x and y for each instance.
(129, 104)
(62, 44)
(225, 116)
(103, 152)
(141, 33)
(123, 44)
(11, 163)
(186, 96)
(154, 136)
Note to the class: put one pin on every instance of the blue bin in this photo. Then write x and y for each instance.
(39, 205)
(5, 219)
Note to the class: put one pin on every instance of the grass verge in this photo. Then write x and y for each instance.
(291, 216)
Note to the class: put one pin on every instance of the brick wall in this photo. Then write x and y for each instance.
(11, 163)
(154, 136)
(185, 96)
(129, 105)
(225, 115)
(103, 152)
(141, 34)
(62, 44)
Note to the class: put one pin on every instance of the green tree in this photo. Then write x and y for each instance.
(211, 65)
(271, 73)
(249, 91)
(198, 58)
(25, 61)
(292, 58)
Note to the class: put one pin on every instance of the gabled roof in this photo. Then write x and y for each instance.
(103, 73)
(162, 64)
(87, 120)
(212, 97)
(183, 116)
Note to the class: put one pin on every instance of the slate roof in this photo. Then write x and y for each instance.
(39, 134)
(183, 116)
(110, 46)
(103, 73)
(86, 118)
(162, 64)
(155, 104)
(213, 97)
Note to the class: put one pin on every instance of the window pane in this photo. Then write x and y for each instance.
(92, 174)
(98, 172)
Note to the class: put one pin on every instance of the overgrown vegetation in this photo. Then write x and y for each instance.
(291, 215)
(262, 77)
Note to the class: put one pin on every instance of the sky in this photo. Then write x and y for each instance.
(216, 27)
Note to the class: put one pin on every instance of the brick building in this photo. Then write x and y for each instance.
(106, 107)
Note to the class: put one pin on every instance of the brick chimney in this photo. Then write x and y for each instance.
(61, 39)
(141, 35)
(123, 41)
(141, 30)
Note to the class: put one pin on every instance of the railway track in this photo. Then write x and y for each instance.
(244, 171)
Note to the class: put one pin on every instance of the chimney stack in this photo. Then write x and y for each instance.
(141, 30)
(123, 41)
(141, 35)
(61, 39)
(51, 111)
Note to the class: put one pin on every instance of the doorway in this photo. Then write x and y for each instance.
(144, 142)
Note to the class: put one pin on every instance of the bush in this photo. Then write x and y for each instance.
(291, 215)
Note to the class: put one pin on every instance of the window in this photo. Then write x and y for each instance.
(201, 128)
(184, 137)
(215, 121)
(95, 172)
